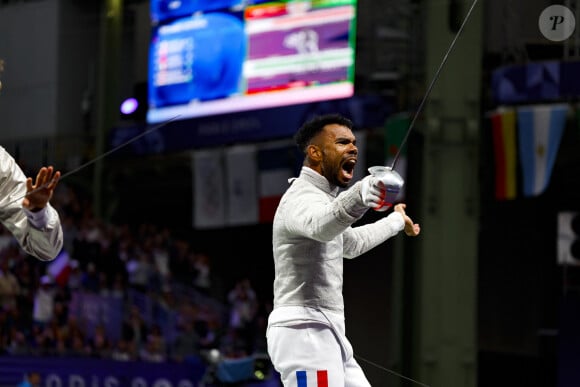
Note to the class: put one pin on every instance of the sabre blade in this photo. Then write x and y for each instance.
(99, 157)
(432, 83)
(396, 186)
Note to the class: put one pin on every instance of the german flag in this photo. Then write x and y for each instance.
(503, 125)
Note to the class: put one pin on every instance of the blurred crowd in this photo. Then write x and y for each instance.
(162, 284)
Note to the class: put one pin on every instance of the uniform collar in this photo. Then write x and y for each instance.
(318, 180)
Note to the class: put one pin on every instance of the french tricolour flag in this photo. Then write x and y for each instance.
(317, 378)
(275, 166)
(59, 268)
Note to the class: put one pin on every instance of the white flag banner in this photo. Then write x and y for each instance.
(242, 186)
(208, 189)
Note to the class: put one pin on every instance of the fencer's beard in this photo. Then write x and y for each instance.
(332, 172)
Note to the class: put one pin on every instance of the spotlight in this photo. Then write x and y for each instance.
(129, 106)
(135, 108)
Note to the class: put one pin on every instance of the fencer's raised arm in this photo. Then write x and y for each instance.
(33, 221)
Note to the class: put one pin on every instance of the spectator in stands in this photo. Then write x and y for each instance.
(118, 287)
(179, 261)
(122, 351)
(17, 344)
(4, 330)
(32, 379)
(233, 345)
(43, 309)
(90, 279)
(61, 346)
(78, 345)
(243, 309)
(104, 285)
(209, 330)
(187, 311)
(87, 245)
(61, 308)
(43, 340)
(152, 353)
(156, 335)
(139, 271)
(200, 323)
(202, 266)
(134, 329)
(99, 343)
(70, 230)
(75, 278)
(259, 343)
(9, 287)
(160, 253)
(154, 349)
(26, 210)
(166, 300)
(186, 342)
(70, 330)
(243, 304)
(6, 239)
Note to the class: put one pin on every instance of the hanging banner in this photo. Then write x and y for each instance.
(540, 129)
(209, 189)
(503, 126)
(242, 195)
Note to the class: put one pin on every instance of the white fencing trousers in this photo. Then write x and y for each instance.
(311, 354)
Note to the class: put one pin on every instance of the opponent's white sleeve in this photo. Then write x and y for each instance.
(39, 234)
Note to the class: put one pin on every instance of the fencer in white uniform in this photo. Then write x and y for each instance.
(31, 219)
(312, 233)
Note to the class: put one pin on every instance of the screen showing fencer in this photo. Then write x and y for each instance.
(211, 57)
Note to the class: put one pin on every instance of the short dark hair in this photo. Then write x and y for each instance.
(311, 128)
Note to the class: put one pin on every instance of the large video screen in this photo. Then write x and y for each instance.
(211, 57)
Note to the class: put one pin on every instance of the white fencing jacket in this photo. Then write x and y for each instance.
(312, 234)
(38, 233)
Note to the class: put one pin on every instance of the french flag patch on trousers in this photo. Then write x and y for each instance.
(312, 378)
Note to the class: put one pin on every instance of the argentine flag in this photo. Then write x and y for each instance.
(540, 129)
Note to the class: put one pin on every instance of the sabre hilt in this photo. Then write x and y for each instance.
(393, 184)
